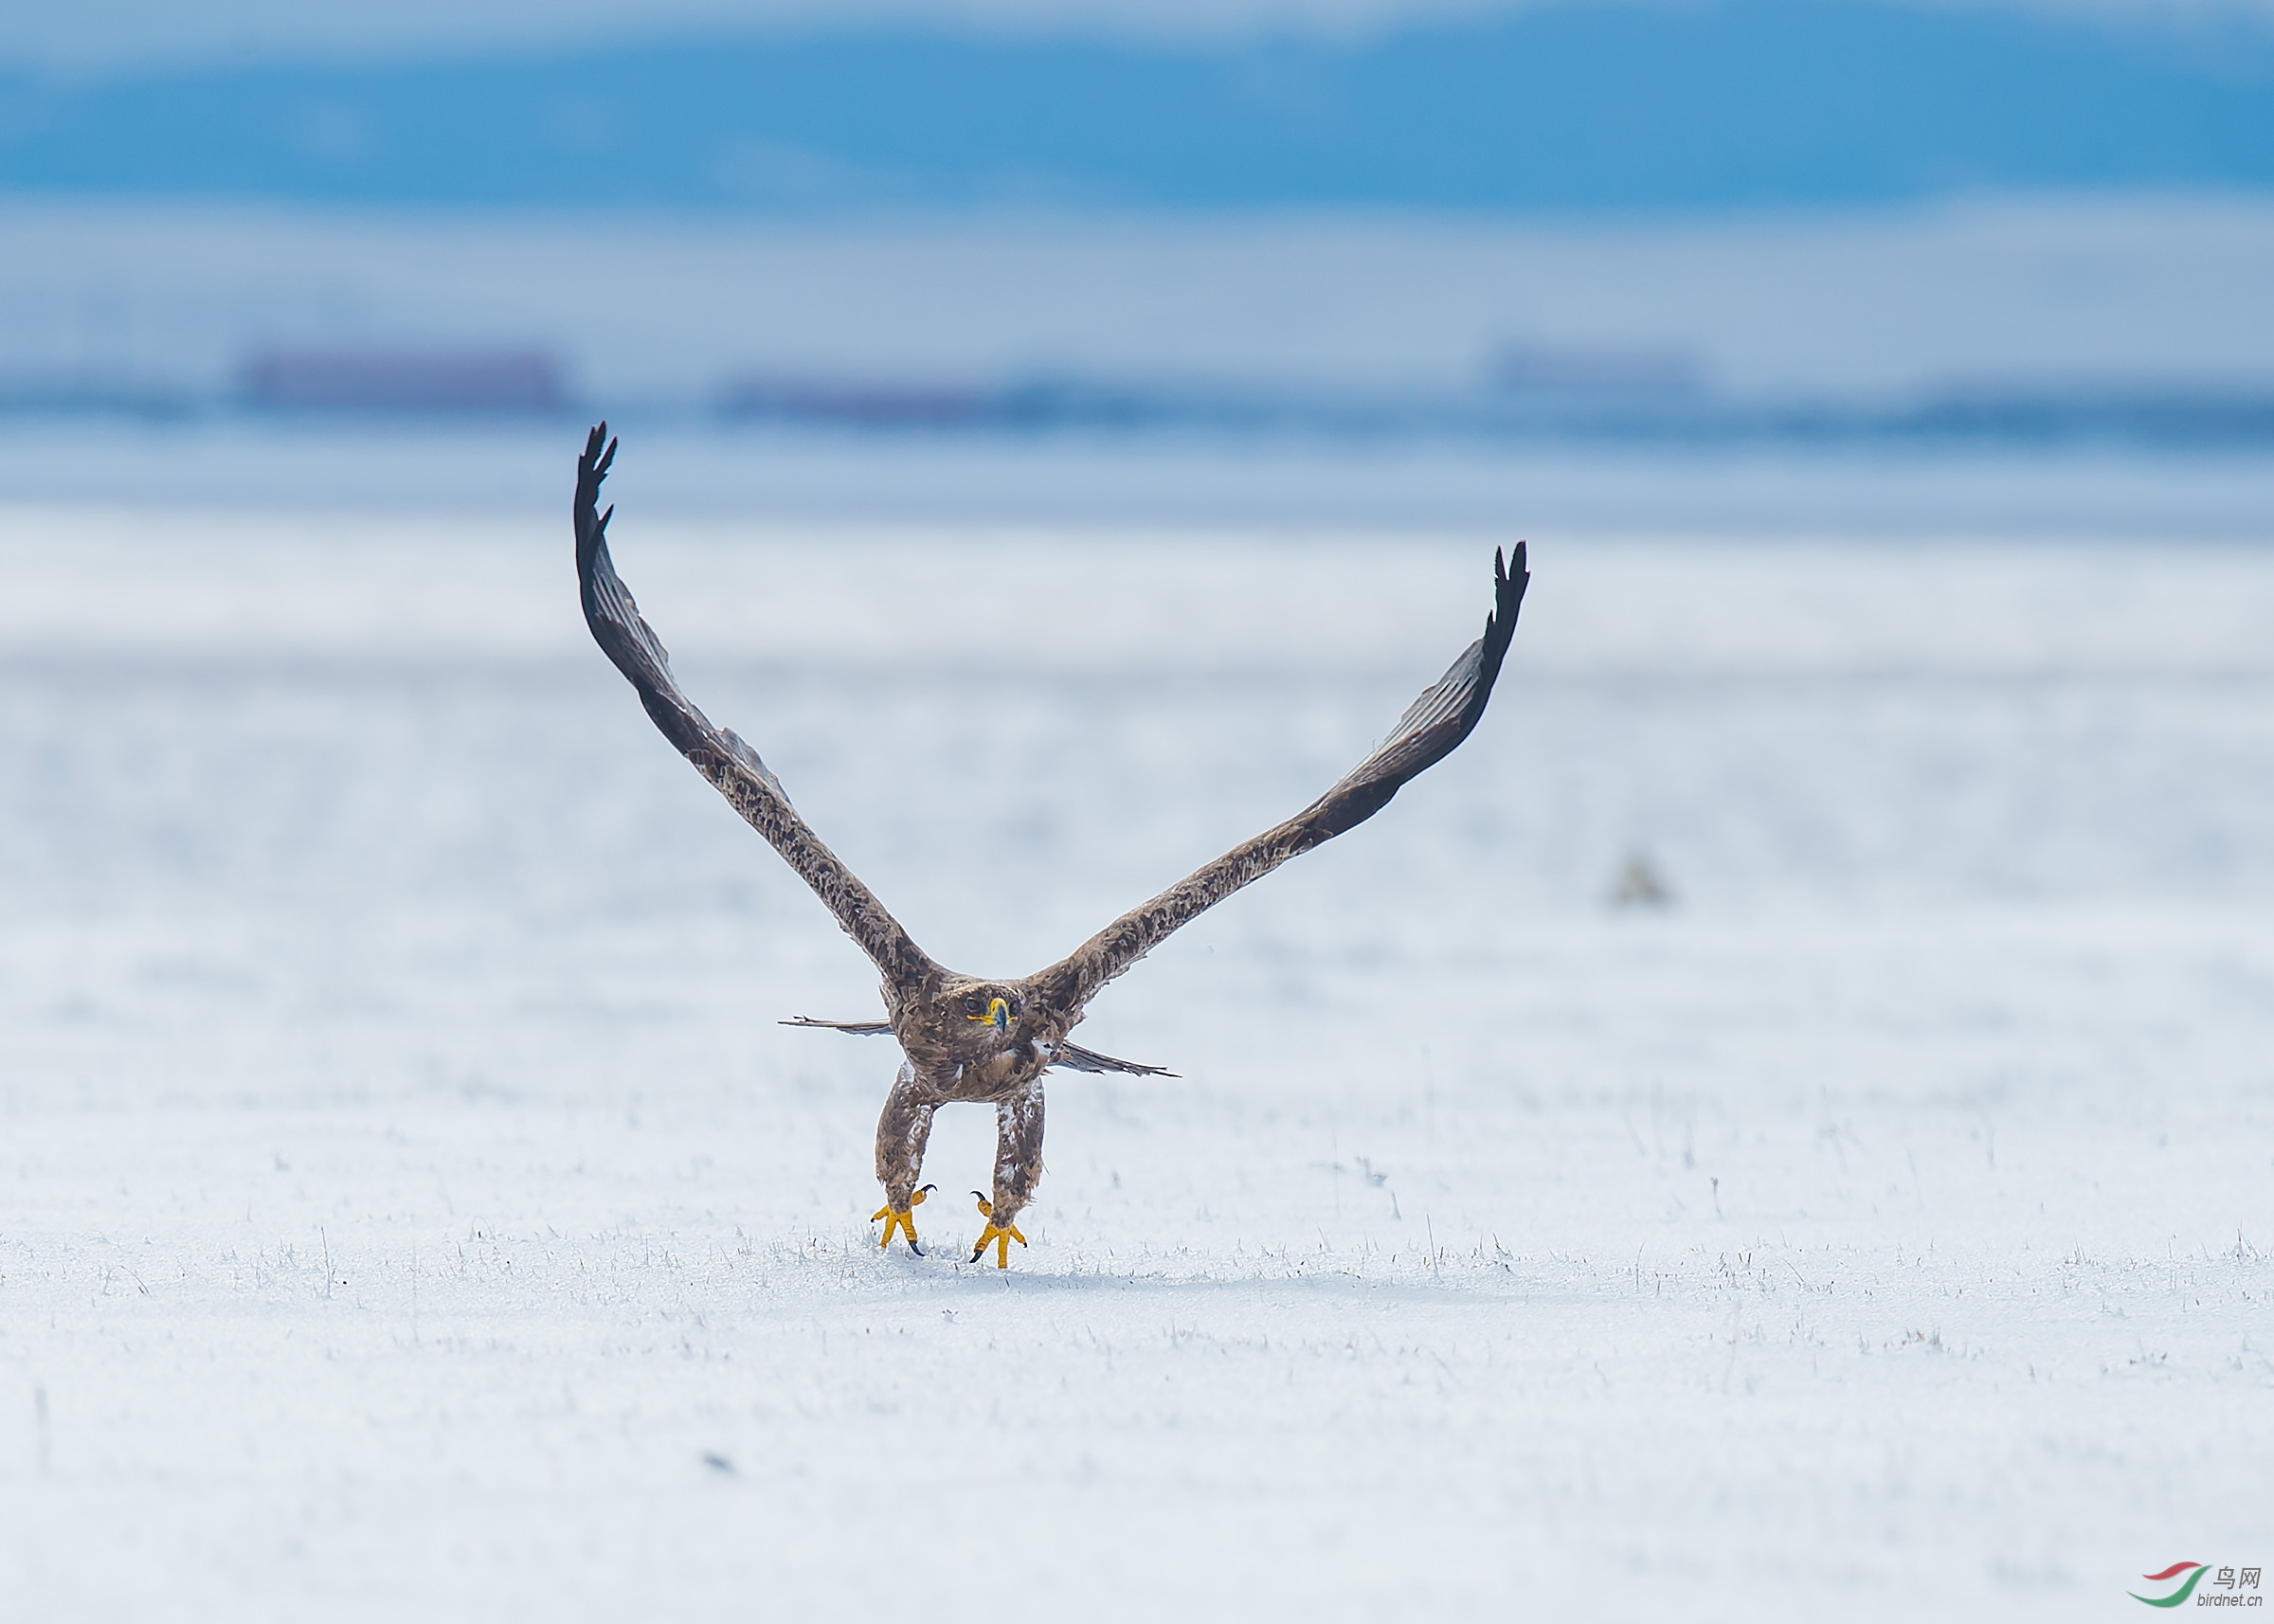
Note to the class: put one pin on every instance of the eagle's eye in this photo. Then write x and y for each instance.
(971, 1004)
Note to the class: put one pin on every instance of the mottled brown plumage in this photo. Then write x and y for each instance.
(965, 1037)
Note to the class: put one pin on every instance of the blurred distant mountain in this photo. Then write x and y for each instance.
(1559, 107)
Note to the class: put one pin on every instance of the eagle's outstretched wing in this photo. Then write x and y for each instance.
(1429, 730)
(732, 768)
(1072, 1056)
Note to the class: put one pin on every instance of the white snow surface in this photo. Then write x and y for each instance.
(408, 1207)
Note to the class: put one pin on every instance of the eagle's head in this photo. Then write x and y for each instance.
(981, 1018)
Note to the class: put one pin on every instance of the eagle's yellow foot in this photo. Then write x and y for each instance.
(1001, 1236)
(906, 1220)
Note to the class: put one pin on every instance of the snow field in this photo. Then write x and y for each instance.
(409, 1204)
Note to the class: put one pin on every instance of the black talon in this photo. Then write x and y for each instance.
(920, 1192)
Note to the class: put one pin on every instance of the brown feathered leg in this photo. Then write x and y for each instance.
(901, 1133)
(1018, 1170)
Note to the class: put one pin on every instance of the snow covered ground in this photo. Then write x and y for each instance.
(408, 1207)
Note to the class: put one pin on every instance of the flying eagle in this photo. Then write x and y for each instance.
(968, 1038)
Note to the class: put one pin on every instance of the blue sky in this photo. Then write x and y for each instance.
(1549, 108)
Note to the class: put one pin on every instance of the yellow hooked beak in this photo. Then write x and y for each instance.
(998, 1012)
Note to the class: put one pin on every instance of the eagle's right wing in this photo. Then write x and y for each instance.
(1074, 1057)
(732, 768)
(1432, 727)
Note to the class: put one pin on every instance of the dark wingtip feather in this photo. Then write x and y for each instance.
(591, 468)
(1500, 623)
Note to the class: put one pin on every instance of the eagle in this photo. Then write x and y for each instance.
(974, 1038)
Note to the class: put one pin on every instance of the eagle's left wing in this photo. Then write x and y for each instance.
(718, 753)
(1436, 723)
(850, 1028)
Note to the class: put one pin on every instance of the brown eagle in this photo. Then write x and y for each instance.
(970, 1037)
